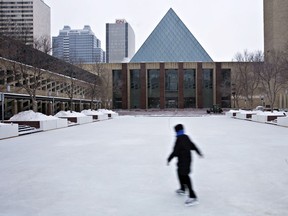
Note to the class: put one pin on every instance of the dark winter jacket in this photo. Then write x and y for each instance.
(182, 148)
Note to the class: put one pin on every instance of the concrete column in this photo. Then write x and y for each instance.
(62, 106)
(180, 86)
(49, 108)
(217, 87)
(124, 86)
(162, 85)
(143, 80)
(199, 93)
(15, 107)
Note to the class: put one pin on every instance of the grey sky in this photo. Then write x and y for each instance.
(223, 27)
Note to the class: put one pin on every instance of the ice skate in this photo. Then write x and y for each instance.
(180, 192)
(191, 202)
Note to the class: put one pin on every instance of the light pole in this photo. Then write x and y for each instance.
(51, 95)
(262, 100)
(233, 95)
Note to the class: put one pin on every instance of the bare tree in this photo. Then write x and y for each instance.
(95, 85)
(43, 44)
(273, 76)
(30, 77)
(69, 85)
(246, 79)
(99, 86)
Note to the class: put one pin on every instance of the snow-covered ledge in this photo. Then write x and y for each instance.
(8, 130)
(110, 113)
(247, 115)
(38, 120)
(267, 116)
(232, 113)
(96, 115)
(75, 117)
(282, 121)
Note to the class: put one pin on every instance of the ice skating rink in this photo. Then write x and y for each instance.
(118, 168)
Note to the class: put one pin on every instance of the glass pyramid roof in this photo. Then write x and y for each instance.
(171, 41)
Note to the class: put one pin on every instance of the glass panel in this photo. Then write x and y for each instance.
(226, 88)
(117, 89)
(189, 88)
(135, 89)
(153, 88)
(207, 88)
(171, 88)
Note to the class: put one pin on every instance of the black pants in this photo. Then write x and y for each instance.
(184, 180)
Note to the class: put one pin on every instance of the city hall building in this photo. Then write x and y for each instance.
(171, 70)
(171, 85)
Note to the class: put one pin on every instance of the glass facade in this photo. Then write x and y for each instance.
(120, 42)
(153, 88)
(117, 89)
(78, 46)
(207, 88)
(171, 41)
(135, 89)
(226, 88)
(189, 88)
(171, 88)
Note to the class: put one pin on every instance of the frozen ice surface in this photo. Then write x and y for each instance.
(118, 168)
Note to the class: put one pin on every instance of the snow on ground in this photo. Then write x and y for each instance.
(118, 168)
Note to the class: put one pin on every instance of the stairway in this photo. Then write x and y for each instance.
(26, 129)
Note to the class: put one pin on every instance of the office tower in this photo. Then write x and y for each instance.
(78, 46)
(171, 41)
(275, 25)
(26, 20)
(120, 42)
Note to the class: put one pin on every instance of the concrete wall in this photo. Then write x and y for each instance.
(275, 25)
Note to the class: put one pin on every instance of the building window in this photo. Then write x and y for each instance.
(153, 88)
(117, 89)
(171, 88)
(189, 88)
(226, 88)
(135, 89)
(207, 87)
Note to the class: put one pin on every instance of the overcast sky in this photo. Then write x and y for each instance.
(223, 27)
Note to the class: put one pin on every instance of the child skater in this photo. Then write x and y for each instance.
(182, 148)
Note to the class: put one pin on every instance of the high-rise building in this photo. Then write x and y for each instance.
(120, 42)
(275, 25)
(78, 46)
(171, 41)
(26, 20)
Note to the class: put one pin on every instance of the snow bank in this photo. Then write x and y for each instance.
(110, 113)
(96, 115)
(69, 114)
(106, 111)
(45, 122)
(76, 117)
(92, 112)
(30, 115)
